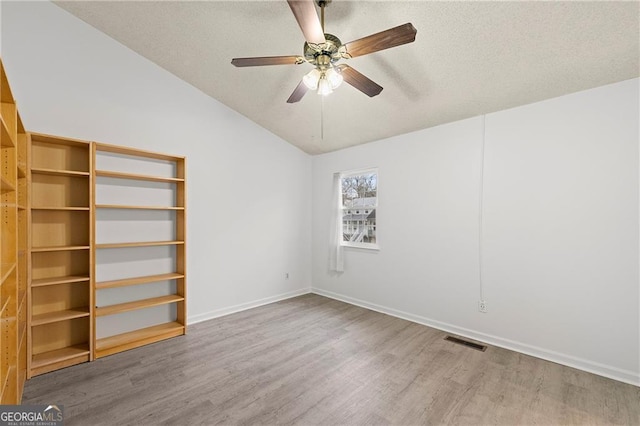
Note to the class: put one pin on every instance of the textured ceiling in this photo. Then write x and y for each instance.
(469, 58)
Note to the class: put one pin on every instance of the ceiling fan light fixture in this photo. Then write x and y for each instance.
(312, 78)
(322, 81)
(324, 86)
(334, 77)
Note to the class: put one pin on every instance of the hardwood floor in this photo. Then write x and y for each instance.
(312, 360)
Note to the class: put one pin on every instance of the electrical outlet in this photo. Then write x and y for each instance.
(482, 306)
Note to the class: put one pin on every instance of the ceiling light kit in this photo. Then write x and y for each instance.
(323, 51)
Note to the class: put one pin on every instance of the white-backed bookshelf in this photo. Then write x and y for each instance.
(139, 258)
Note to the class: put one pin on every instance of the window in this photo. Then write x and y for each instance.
(359, 201)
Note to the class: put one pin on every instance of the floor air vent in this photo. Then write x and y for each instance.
(466, 343)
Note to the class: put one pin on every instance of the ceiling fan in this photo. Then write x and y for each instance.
(323, 51)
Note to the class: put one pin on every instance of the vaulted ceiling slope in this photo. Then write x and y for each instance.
(469, 58)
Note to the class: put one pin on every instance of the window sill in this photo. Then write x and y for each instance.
(374, 247)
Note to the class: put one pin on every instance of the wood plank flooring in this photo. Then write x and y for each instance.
(313, 360)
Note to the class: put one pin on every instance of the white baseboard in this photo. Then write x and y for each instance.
(614, 373)
(244, 306)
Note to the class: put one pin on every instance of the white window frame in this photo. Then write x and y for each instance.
(361, 245)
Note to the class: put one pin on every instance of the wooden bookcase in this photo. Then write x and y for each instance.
(140, 290)
(23, 250)
(13, 262)
(48, 286)
(60, 247)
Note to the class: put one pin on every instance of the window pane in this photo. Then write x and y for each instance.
(359, 228)
(360, 191)
(359, 202)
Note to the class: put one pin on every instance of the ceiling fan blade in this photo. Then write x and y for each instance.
(359, 81)
(298, 93)
(307, 17)
(393, 37)
(267, 60)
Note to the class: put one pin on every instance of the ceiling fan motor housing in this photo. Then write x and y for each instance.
(324, 54)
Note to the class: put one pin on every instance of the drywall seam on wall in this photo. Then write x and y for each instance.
(481, 207)
(244, 306)
(568, 360)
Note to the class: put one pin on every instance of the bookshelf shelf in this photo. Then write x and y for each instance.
(59, 280)
(138, 304)
(138, 280)
(62, 208)
(144, 336)
(7, 138)
(135, 176)
(58, 248)
(138, 244)
(59, 172)
(59, 358)
(51, 317)
(114, 206)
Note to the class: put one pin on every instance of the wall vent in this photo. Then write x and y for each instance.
(466, 343)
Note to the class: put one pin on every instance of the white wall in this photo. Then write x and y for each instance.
(560, 258)
(248, 191)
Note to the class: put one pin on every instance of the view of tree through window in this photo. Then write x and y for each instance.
(359, 204)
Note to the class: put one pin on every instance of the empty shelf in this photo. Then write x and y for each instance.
(139, 244)
(50, 317)
(7, 140)
(134, 152)
(58, 172)
(58, 248)
(4, 306)
(62, 208)
(5, 185)
(138, 280)
(134, 339)
(64, 354)
(116, 206)
(7, 269)
(58, 280)
(138, 304)
(134, 176)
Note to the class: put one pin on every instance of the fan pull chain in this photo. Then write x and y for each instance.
(321, 118)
